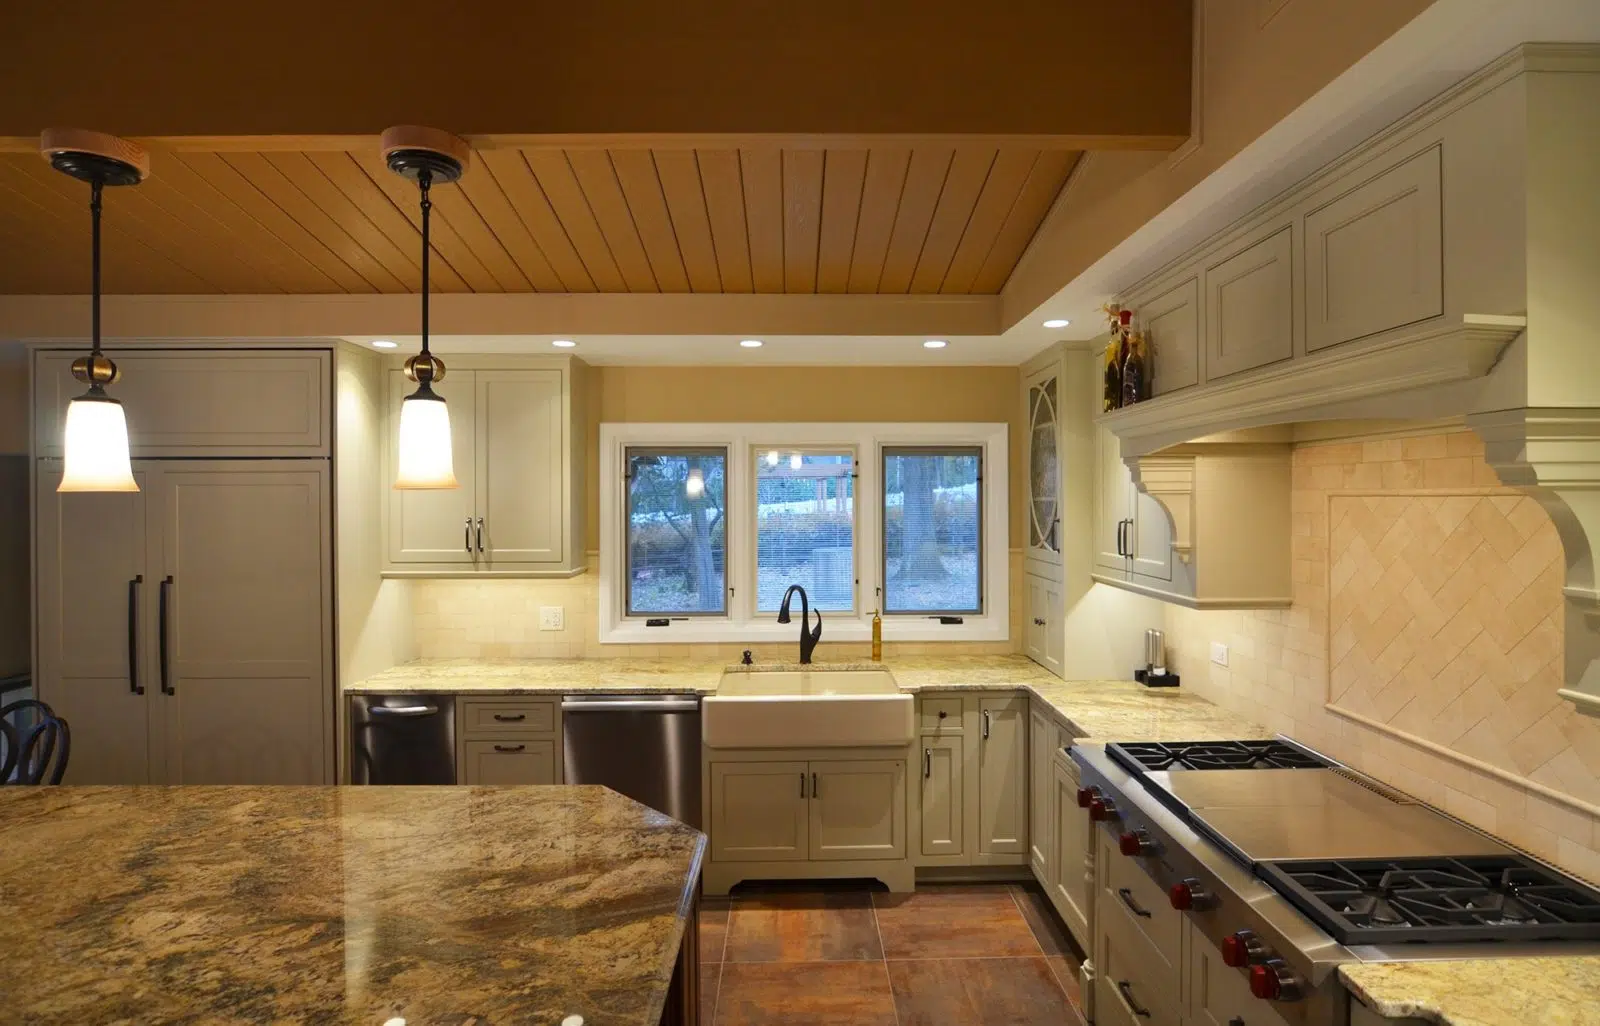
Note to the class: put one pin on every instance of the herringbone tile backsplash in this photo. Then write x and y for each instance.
(1425, 641)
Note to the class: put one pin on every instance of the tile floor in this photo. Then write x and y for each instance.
(951, 955)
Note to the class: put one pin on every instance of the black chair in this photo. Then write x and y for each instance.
(36, 755)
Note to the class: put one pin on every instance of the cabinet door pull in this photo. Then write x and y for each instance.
(986, 724)
(1125, 988)
(1038, 621)
(813, 785)
(1237, 1020)
(503, 718)
(480, 534)
(161, 638)
(467, 535)
(509, 748)
(1119, 537)
(133, 635)
(802, 785)
(1133, 906)
(927, 763)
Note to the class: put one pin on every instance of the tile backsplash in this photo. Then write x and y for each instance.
(1424, 644)
(499, 619)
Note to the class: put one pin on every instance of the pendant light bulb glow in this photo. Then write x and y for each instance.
(94, 440)
(95, 447)
(795, 460)
(772, 457)
(425, 451)
(427, 157)
(695, 486)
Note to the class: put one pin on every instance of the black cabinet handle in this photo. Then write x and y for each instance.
(161, 638)
(480, 534)
(1125, 988)
(1055, 532)
(503, 718)
(1038, 621)
(1127, 899)
(986, 724)
(509, 748)
(802, 785)
(927, 763)
(133, 634)
(1237, 1020)
(813, 785)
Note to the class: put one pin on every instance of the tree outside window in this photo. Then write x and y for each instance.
(677, 531)
(932, 530)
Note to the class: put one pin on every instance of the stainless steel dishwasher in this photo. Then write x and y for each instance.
(402, 739)
(644, 746)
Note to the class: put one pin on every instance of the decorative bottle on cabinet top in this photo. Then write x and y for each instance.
(1112, 397)
(1135, 387)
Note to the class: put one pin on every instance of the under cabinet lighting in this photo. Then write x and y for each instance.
(935, 343)
(1058, 322)
(563, 343)
(751, 343)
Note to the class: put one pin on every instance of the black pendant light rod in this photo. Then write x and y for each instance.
(95, 188)
(424, 183)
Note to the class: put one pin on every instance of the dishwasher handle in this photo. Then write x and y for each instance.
(626, 705)
(402, 710)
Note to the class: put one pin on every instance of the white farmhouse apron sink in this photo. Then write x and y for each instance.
(806, 709)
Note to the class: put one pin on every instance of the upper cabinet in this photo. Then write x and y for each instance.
(201, 402)
(517, 433)
(1043, 389)
(1170, 319)
(1250, 306)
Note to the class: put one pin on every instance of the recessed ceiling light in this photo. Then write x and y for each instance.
(1058, 322)
(383, 343)
(935, 343)
(751, 343)
(563, 343)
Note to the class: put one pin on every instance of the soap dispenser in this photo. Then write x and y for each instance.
(877, 637)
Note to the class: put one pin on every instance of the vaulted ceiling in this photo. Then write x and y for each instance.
(929, 218)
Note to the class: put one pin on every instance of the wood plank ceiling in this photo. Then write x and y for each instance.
(920, 219)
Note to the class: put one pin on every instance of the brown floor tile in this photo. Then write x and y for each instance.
(1066, 969)
(713, 929)
(811, 994)
(1043, 920)
(979, 992)
(953, 922)
(803, 927)
(710, 981)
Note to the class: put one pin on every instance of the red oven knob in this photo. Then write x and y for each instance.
(1136, 842)
(1086, 795)
(1273, 980)
(1240, 949)
(1102, 808)
(1189, 894)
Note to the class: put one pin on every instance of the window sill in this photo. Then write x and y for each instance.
(707, 630)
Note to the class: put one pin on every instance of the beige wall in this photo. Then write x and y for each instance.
(1424, 644)
(1258, 61)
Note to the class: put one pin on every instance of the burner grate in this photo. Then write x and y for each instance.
(1214, 755)
(1375, 901)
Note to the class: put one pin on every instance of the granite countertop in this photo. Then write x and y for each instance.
(340, 904)
(1482, 992)
(1105, 710)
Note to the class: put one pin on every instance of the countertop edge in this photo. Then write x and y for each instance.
(1409, 1009)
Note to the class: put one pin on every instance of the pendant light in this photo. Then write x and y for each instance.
(95, 439)
(428, 157)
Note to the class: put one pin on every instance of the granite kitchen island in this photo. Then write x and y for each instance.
(343, 904)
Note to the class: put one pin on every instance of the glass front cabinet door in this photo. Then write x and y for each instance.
(1044, 467)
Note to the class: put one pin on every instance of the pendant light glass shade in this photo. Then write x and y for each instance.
(425, 449)
(95, 447)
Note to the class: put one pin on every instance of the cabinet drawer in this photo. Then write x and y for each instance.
(1133, 986)
(1217, 993)
(941, 715)
(509, 761)
(498, 716)
(1135, 892)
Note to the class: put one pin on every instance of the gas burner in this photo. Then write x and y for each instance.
(1376, 901)
(1213, 755)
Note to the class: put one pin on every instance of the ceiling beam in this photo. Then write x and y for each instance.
(179, 68)
(36, 318)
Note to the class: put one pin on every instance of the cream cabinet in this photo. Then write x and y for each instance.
(1215, 994)
(518, 449)
(760, 811)
(200, 402)
(1044, 398)
(1044, 634)
(858, 809)
(185, 630)
(1003, 776)
(1133, 537)
(508, 740)
(1041, 834)
(1169, 317)
(1250, 306)
(941, 804)
(1071, 863)
(508, 761)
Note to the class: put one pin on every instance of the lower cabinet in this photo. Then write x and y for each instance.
(1041, 795)
(508, 762)
(1216, 994)
(1069, 870)
(973, 780)
(814, 818)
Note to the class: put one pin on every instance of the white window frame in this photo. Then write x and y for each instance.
(744, 441)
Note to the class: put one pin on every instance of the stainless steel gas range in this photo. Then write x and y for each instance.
(1290, 864)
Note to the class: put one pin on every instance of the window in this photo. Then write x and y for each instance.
(805, 527)
(703, 527)
(677, 531)
(932, 523)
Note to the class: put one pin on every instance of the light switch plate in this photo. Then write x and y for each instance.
(552, 618)
(1219, 653)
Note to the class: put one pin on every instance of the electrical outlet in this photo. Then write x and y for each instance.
(552, 618)
(1219, 653)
